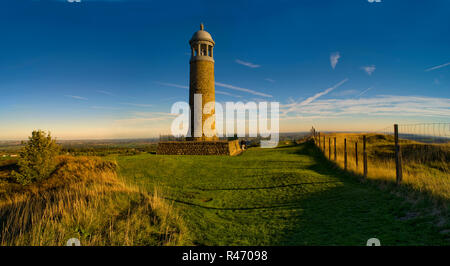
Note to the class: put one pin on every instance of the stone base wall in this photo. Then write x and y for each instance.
(199, 148)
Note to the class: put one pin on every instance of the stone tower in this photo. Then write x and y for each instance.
(201, 81)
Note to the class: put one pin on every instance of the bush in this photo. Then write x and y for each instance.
(37, 158)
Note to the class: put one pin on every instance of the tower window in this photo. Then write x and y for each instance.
(204, 47)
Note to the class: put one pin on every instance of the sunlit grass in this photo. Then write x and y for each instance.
(84, 199)
(425, 166)
(289, 195)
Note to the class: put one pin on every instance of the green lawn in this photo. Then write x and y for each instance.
(284, 196)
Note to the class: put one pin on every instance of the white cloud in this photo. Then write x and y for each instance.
(312, 98)
(380, 105)
(144, 117)
(218, 91)
(345, 93)
(334, 58)
(247, 64)
(364, 91)
(77, 97)
(138, 104)
(369, 69)
(104, 107)
(105, 92)
(269, 80)
(228, 94)
(242, 89)
(317, 95)
(437, 67)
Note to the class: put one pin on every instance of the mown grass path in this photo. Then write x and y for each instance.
(285, 196)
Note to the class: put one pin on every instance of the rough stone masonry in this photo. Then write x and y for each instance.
(201, 82)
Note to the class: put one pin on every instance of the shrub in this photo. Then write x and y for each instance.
(37, 158)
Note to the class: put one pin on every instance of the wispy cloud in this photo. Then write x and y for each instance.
(138, 104)
(380, 105)
(345, 93)
(150, 114)
(218, 91)
(228, 94)
(142, 117)
(369, 69)
(269, 80)
(334, 58)
(314, 97)
(104, 107)
(106, 92)
(437, 67)
(247, 64)
(242, 89)
(364, 91)
(317, 95)
(172, 85)
(77, 97)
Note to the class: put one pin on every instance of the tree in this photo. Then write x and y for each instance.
(37, 158)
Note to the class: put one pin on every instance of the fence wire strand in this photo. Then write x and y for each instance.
(420, 132)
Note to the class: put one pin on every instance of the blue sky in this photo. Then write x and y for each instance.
(112, 69)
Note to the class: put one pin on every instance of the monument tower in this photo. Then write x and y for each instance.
(201, 81)
(201, 94)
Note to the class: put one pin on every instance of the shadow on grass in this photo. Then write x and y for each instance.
(318, 204)
(269, 187)
(407, 191)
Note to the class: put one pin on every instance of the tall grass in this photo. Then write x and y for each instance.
(84, 199)
(425, 166)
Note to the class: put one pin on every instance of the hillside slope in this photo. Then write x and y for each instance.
(84, 199)
(285, 196)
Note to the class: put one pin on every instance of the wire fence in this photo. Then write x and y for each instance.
(416, 154)
(423, 132)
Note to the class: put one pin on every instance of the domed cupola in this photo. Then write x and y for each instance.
(202, 45)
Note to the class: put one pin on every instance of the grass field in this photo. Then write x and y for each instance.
(290, 195)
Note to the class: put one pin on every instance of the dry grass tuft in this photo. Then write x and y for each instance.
(84, 199)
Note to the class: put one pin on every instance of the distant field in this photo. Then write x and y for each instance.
(290, 195)
(90, 147)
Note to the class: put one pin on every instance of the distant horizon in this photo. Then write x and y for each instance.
(157, 137)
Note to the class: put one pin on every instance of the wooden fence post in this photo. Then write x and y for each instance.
(329, 148)
(364, 157)
(398, 157)
(335, 148)
(345, 153)
(356, 155)
(324, 145)
(319, 140)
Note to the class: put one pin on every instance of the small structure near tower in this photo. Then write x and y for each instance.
(201, 92)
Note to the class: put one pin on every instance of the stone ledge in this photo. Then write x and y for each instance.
(220, 147)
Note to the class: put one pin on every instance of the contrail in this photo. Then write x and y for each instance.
(437, 67)
(364, 91)
(317, 95)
